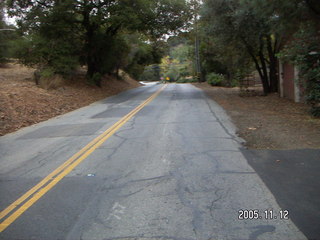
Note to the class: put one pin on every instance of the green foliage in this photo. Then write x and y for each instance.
(47, 73)
(173, 74)
(22, 49)
(215, 79)
(304, 52)
(8, 40)
(181, 52)
(299, 21)
(233, 63)
(170, 68)
(95, 33)
(108, 54)
(2, 37)
(243, 30)
(141, 55)
(150, 73)
(95, 78)
(38, 51)
(177, 64)
(50, 42)
(176, 67)
(3, 48)
(314, 91)
(7, 35)
(187, 80)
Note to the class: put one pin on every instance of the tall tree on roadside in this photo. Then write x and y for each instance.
(7, 34)
(51, 40)
(98, 24)
(242, 24)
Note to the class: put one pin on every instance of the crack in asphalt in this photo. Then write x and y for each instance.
(41, 160)
(214, 201)
(199, 194)
(181, 188)
(232, 136)
(128, 183)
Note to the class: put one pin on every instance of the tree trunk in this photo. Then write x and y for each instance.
(93, 73)
(260, 67)
(264, 77)
(273, 78)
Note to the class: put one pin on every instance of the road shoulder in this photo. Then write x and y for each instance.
(282, 146)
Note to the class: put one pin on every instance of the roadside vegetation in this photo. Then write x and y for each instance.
(62, 55)
(267, 122)
(222, 42)
(56, 37)
(242, 38)
(219, 41)
(23, 103)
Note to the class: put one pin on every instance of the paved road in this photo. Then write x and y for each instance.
(173, 170)
(293, 177)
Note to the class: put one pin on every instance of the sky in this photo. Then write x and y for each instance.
(9, 20)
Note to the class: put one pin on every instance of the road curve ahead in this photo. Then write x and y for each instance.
(156, 162)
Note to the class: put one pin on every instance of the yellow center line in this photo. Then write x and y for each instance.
(35, 193)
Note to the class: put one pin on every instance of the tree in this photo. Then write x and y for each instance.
(7, 34)
(150, 73)
(242, 24)
(142, 54)
(50, 42)
(2, 38)
(230, 60)
(302, 43)
(99, 23)
(153, 18)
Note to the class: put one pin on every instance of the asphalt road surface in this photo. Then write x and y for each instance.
(156, 162)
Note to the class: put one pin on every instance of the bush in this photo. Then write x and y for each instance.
(150, 73)
(55, 56)
(313, 96)
(215, 79)
(46, 78)
(186, 80)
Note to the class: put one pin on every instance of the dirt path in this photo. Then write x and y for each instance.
(22, 103)
(268, 122)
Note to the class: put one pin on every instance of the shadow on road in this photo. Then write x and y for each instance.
(293, 176)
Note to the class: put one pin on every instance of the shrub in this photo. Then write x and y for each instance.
(186, 80)
(52, 56)
(313, 97)
(215, 79)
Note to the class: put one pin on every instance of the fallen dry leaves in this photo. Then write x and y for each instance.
(268, 122)
(22, 103)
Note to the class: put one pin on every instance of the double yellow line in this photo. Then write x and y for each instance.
(19, 206)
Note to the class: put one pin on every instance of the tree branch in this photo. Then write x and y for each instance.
(312, 7)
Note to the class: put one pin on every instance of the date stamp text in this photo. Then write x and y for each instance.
(268, 214)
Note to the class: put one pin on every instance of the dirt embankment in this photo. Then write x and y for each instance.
(22, 103)
(268, 122)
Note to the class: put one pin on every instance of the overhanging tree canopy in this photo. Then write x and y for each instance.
(96, 25)
(241, 24)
